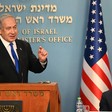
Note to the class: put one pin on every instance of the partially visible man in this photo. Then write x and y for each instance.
(106, 101)
(27, 60)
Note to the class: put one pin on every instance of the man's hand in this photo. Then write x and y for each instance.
(42, 54)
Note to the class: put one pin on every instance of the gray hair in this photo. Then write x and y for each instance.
(4, 16)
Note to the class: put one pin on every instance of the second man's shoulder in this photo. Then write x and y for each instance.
(109, 92)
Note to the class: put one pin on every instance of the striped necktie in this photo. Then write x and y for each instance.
(15, 57)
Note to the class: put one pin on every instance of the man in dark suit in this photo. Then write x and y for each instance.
(27, 60)
(106, 101)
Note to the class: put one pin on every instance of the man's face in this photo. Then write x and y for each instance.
(9, 29)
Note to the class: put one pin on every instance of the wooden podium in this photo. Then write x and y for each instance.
(35, 97)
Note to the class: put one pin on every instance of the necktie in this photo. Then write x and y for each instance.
(15, 57)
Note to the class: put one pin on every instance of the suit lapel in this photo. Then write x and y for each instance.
(20, 54)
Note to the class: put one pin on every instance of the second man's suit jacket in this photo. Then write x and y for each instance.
(106, 101)
(27, 61)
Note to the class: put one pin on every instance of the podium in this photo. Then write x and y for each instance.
(33, 97)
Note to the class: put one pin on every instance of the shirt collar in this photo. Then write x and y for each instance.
(6, 44)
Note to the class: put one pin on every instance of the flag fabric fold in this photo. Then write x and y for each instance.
(96, 75)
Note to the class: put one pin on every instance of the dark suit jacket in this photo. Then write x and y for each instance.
(106, 101)
(27, 61)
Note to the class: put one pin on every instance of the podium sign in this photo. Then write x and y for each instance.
(34, 97)
(10, 106)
